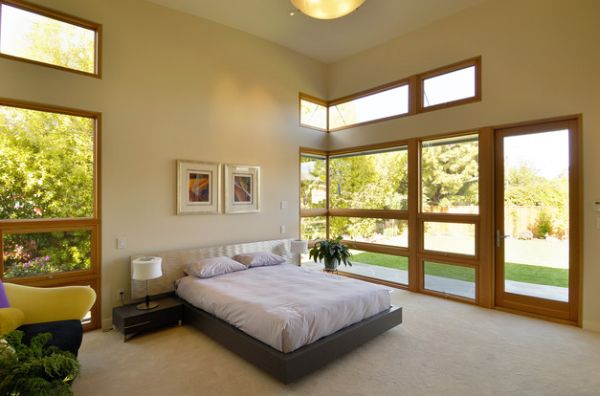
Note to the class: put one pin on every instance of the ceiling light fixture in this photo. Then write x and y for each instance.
(327, 9)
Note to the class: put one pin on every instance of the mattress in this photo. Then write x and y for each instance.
(285, 306)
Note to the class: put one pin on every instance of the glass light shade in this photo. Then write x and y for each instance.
(327, 9)
(145, 268)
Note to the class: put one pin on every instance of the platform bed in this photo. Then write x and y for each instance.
(288, 367)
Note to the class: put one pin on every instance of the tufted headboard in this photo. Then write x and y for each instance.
(173, 262)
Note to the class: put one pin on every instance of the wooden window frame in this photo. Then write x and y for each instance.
(450, 296)
(321, 212)
(415, 94)
(571, 311)
(62, 17)
(484, 260)
(421, 108)
(315, 100)
(92, 224)
(408, 82)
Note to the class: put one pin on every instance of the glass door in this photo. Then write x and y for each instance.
(536, 239)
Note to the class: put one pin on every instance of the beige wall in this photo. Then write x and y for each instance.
(179, 87)
(540, 60)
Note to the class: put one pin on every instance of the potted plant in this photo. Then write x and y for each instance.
(332, 252)
(35, 369)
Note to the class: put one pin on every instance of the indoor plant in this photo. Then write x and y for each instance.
(35, 369)
(332, 252)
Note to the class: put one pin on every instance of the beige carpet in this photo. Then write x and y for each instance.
(442, 348)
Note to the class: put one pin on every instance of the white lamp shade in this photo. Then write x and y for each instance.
(146, 268)
(299, 247)
(327, 9)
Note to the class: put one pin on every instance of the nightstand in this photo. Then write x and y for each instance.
(129, 320)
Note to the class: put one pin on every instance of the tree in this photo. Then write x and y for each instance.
(46, 163)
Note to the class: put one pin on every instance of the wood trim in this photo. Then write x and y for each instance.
(449, 217)
(313, 151)
(370, 213)
(370, 91)
(338, 129)
(313, 99)
(570, 311)
(377, 248)
(93, 224)
(317, 101)
(370, 147)
(448, 296)
(449, 69)
(415, 97)
(313, 212)
(377, 281)
(486, 218)
(66, 18)
(414, 177)
(48, 108)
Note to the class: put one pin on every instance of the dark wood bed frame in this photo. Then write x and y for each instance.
(288, 367)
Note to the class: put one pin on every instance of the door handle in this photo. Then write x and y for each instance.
(500, 237)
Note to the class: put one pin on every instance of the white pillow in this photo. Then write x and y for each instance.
(213, 266)
(259, 259)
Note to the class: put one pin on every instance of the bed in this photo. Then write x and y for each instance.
(285, 319)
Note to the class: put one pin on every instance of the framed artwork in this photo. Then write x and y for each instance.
(198, 187)
(242, 188)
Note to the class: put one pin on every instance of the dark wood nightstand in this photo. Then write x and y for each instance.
(129, 320)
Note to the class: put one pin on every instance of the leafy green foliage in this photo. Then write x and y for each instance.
(332, 252)
(450, 175)
(35, 369)
(313, 228)
(47, 172)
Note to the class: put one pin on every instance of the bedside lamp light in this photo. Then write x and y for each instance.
(145, 269)
(299, 247)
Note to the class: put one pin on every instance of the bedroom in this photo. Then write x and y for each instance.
(177, 86)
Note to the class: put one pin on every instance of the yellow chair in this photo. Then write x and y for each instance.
(31, 305)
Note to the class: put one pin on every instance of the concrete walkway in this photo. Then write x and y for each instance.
(446, 285)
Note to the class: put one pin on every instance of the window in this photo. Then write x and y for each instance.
(450, 175)
(456, 84)
(450, 85)
(313, 181)
(386, 267)
(313, 113)
(384, 104)
(449, 237)
(392, 232)
(449, 279)
(49, 226)
(313, 196)
(47, 37)
(369, 180)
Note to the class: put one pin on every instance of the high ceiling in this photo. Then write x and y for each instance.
(376, 22)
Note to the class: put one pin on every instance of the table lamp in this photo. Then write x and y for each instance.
(145, 269)
(299, 247)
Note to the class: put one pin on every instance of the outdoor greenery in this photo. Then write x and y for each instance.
(450, 175)
(47, 163)
(35, 369)
(47, 173)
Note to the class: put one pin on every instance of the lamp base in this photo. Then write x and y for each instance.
(145, 306)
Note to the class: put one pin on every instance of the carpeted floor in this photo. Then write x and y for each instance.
(442, 348)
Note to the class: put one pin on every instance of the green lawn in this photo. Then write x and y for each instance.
(516, 272)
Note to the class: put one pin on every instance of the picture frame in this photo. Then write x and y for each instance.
(198, 187)
(242, 188)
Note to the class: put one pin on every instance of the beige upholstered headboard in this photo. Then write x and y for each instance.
(173, 262)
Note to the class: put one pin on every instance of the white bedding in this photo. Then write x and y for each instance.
(285, 306)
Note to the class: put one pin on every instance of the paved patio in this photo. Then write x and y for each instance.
(447, 285)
